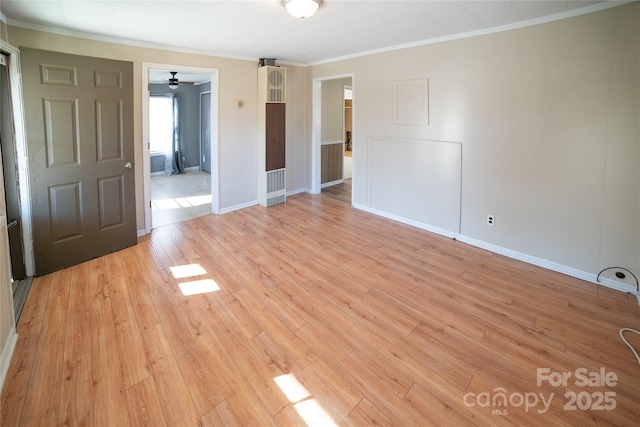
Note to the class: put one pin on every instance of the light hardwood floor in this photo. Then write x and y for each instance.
(323, 312)
(341, 192)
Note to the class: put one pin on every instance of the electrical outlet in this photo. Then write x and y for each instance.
(491, 220)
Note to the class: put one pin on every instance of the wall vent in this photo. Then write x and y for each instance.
(276, 78)
(276, 187)
(275, 200)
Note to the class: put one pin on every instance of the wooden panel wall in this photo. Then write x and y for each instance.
(275, 136)
(332, 158)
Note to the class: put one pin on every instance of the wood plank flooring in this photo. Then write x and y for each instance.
(313, 313)
(340, 192)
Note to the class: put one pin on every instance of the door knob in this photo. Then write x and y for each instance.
(128, 165)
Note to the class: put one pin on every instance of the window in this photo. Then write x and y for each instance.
(160, 124)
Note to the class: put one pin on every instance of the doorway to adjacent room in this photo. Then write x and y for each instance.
(181, 163)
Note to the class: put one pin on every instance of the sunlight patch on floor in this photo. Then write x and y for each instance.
(307, 407)
(193, 287)
(181, 202)
(189, 270)
(198, 287)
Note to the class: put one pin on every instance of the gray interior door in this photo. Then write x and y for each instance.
(79, 117)
(205, 132)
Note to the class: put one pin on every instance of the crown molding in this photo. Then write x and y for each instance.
(126, 42)
(508, 27)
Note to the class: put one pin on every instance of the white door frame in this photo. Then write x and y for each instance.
(146, 167)
(344, 131)
(22, 154)
(316, 135)
(208, 92)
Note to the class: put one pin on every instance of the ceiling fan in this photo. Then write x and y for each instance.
(174, 82)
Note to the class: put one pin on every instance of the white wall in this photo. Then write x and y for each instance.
(237, 125)
(333, 109)
(548, 121)
(296, 127)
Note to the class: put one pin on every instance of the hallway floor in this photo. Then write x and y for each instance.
(177, 198)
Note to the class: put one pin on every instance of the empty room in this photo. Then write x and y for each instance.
(398, 213)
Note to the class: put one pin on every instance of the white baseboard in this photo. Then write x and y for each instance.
(237, 207)
(414, 223)
(7, 354)
(540, 262)
(298, 191)
(255, 202)
(142, 232)
(329, 184)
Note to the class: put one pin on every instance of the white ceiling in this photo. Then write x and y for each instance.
(257, 29)
(159, 76)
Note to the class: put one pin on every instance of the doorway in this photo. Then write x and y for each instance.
(183, 184)
(332, 169)
(20, 282)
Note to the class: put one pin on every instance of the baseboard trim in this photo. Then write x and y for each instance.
(237, 207)
(329, 184)
(6, 355)
(408, 221)
(550, 265)
(298, 191)
(529, 259)
(142, 232)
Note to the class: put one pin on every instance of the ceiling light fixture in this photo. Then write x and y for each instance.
(173, 81)
(301, 8)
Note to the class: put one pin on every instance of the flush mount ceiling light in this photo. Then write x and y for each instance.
(301, 8)
(173, 81)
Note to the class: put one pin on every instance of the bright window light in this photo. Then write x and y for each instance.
(292, 388)
(199, 287)
(199, 200)
(160, 124)
(165, 204)
(190, 270)
(308, 407)
(181, 202)
(313, 414)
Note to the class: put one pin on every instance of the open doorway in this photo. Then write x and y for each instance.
(333, 129)
(14, 184)
(180, 123)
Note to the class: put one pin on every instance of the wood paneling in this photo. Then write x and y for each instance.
(382, 324)
(275, 136)
(332, 158)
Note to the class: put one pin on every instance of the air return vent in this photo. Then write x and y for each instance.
(276, 78)
(276, 187)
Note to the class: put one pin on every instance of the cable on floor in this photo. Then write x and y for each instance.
(622, 331)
